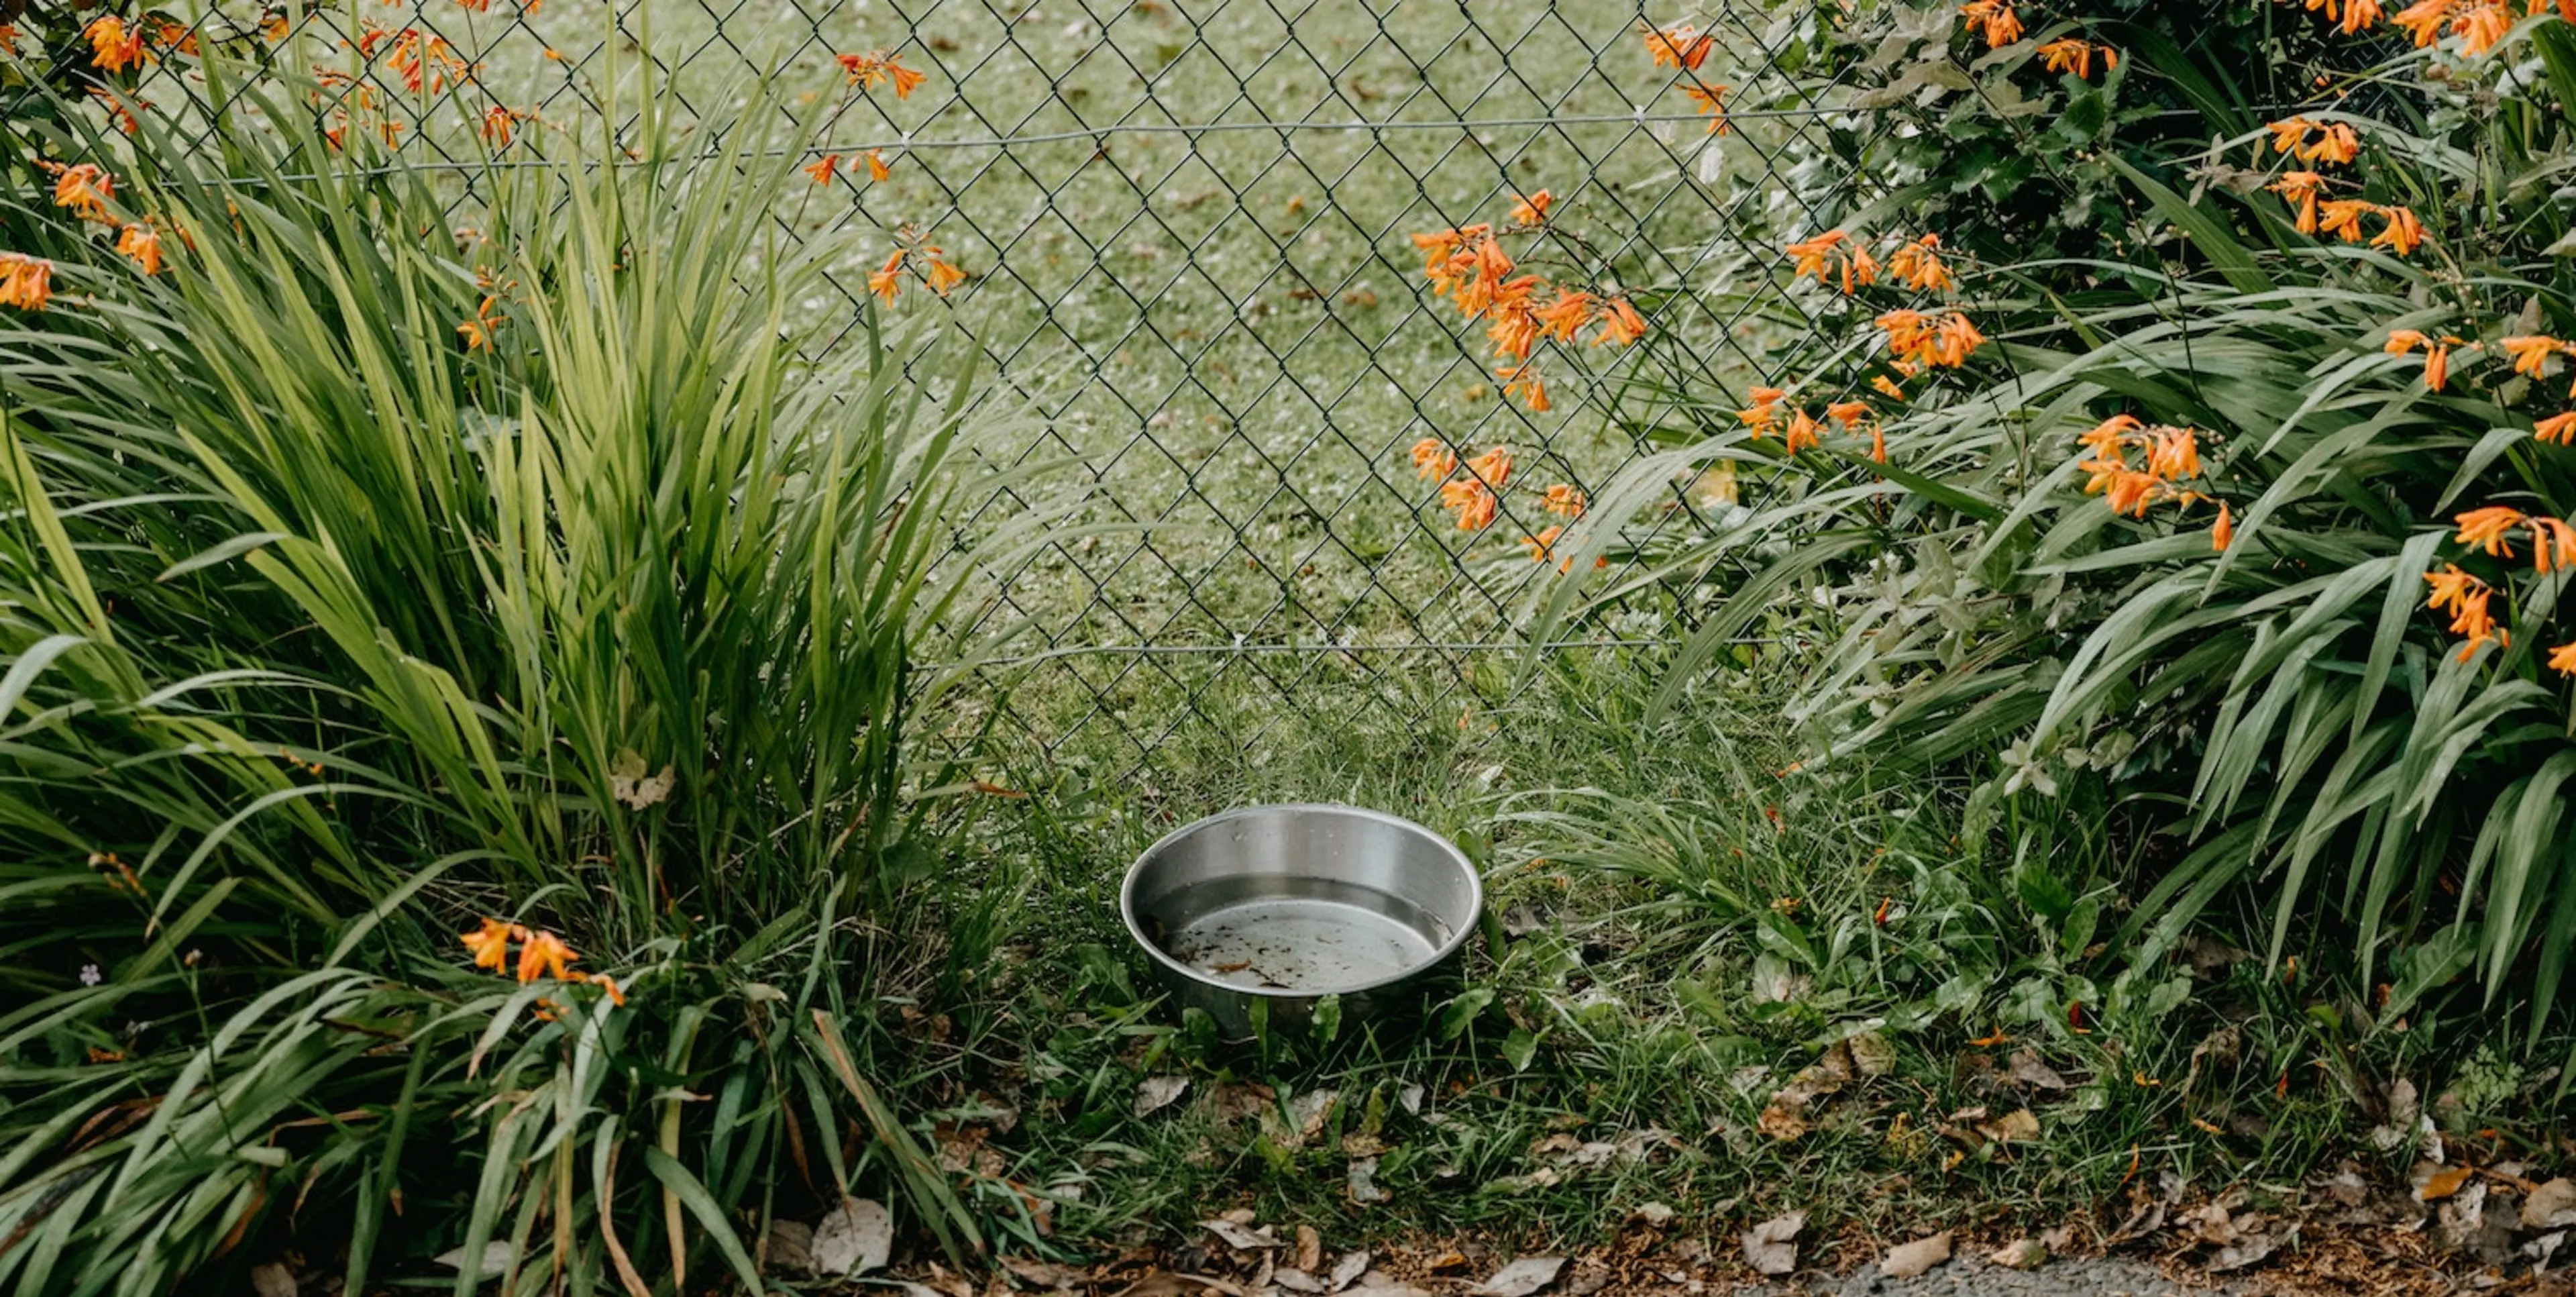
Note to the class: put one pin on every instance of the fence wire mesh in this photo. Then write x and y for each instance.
(1187, 229)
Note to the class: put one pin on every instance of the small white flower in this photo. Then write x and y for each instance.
(89, 975)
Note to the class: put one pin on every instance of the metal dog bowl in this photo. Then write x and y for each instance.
(1280, 906)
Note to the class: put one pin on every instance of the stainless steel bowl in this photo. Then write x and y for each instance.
(1258, 914)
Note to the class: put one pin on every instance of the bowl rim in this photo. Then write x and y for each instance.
(1466, 868)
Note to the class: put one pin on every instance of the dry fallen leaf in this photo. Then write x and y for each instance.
(626, 781)
(1771, 1247)
(790, 1247)
(272, 1280)
(2146, 1220)
(1155, 1093)
(2432, 1184)
(1178, 1285)
(2551, 1205)
(1781, 1123)
(1873, 1054)
(1044, 1274)
(1522, 1277)
(1361, 1180)
(495, 1261)
(1348, 1270)
(2026, 1069)
(1296, 1279)
(2247, 1250)
(1916, 1257)
(854, 1239)
(1310, 1249)
(2020, 1254)
(2016, 1127)
(1242, 1238)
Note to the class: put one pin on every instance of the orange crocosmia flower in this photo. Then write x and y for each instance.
(114, 46)
(1542, 545)
(1474, 503)
(1523, 380)
(1802, 434)
(1887, 387)
(2476, 624)
(544, 952)
(1919, 265)
(1565, 500)
(118, 110)
(1992, 19)
(141, 242)
(2069, 54)
(2530, 353)
(1565, 316)
(1860, 269)
(877, 168)
(616, 994)
(2105, 438)
(2335, 142)
(2402, 234)
(2302, 188)
(2342, 218)
(1515, 331)
(940, 275)
(1494, 467)
(2437, 354)
(2562, 659)
(2553, 543)
(1531, 210)
(1764, 411)
(1904, 328)
(2357, 15)
(2490, 529)
(822, 168)
(1956, 341)
(2130, 492)
(2174, 454)
(2424, 20)
(2450, 586)
(875, 68)
(500, 126)
(2332, 142)
(1709, 98)
(887, 280)
(86, 190)
(1682, 46)
(1432, 458)
(2481, 25)
(1620, 322)
(489, 944)
(2223, 530)
(26, 282)
(2559, 428)
(1813, 257)
(1878, 443)
(1847, 413)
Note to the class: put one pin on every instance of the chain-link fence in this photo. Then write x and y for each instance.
(1187, 226)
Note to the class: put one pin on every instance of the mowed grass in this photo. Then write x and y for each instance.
(1188, 226)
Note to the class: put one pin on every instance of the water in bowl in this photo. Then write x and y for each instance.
(1308, 935)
